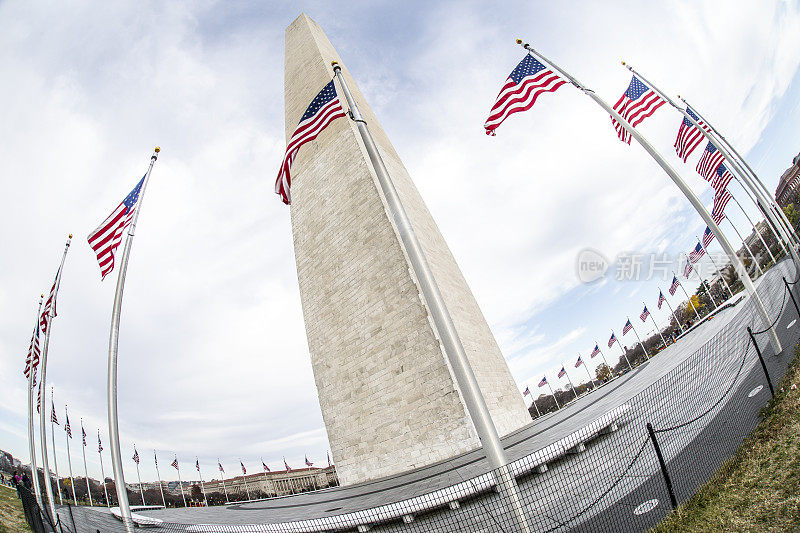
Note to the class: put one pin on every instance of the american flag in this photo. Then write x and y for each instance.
(99, 443)
(524, 85)
(39, 400)
(707, 237)
(644, 314)
(308, 463)
(627, 328)
(135, 456)
(661, 298)
(244, 470)
(595, 352)
(721, 179)
(708, 164)
(83, 434)
(220, 467)
(720, 201)
(155, 457)
(32, 360)
(67, 427)
(697, 253)
(636, 104)
(613, 339)
(266, 468)
(197, 464)
(53, 417)
(526, 392)
(175, 463)
(543, 382)
(579, 362)
(562, 372)
(689, 135)
(674, 286)
(323, 109)
(286, 465)
(106, 238)
(50, 305)
(687, 269)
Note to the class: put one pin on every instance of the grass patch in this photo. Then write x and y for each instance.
(759, 488)
(12, 518)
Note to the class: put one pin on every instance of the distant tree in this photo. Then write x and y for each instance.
(602, 372)
(693, 304)
(196, 493)
(791, 213)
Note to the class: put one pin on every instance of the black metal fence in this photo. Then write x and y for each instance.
(659, 433)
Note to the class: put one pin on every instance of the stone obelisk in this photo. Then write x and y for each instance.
(388, 396)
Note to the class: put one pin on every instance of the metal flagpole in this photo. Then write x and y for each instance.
(244, 478)
(102, 470)
(657, 328)
(585, 367)
(767, 206)
(719, 145)
(467, 383)
(716, 267)
(625, 355)
(202, 486)
(757, 232)
(687, 192)
(53, 440)
(767, 221)
(570, 381)
(639, 339)
(141, 491)
(222, 475)
(31, 432)
(705, 286)
(553, 395)
(43, 393)
(611, 370)
(534, 401)
(266, 480)
(69, 458)
(759, 272)
(180, 483)
(113, 344)
(687, 295)
(671, 310)
(158, 475)
(85, 469)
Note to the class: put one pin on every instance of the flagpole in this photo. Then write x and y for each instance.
(571, 384)
(113, 344)
(706, 286)
(69, 458)
(586, 367)
(222, 475)
(657, 328)
(266, 480)
(671, 310)
(716, 267)
(553, 395)
(757, 232)
(202, 486)
(53, 440)
(85, 469)
(451, 342)
(770, 225)
(43, 390)
(760, 189)
(158, 475)
(180, 483)
(102, 470)
(625, 355)
(141, 492)
(759, 272)
(687, 295)
(244, 478)
(639, 339)
(611, 370)
(538, 414)
(720, 146)
(31, 431)
(687, 192)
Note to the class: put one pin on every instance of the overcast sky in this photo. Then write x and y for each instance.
(213, 354)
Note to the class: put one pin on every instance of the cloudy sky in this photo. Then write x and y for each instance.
(213, 355)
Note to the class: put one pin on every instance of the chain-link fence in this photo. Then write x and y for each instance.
(659, 433)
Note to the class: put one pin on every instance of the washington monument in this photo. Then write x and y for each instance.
(387, 392)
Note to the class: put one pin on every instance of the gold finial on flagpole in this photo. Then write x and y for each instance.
(519, 41)
(334, 63)
(70, 235)
(623, 63)
(157, 149)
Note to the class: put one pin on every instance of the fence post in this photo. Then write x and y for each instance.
(663, 465)
(796, 308)
(761, 358)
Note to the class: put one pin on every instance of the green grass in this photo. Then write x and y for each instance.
(11, 517)
(759, 488)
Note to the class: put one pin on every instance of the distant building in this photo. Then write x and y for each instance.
(279, 483)
(787, 191)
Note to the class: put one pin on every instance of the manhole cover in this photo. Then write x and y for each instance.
(646, 507)
(790, 324)
(755, 391)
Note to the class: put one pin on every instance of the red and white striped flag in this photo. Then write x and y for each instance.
(175, 463)
(644, 314)
(286, 465)
(712, 158)
(721, 178)
(135, 456)
(687, 269)
(99, 443)
(83, 434)
(636, 104)
(67, 427)
(220, 467)
(308, 463)
(720, 201)
(49, 309)
(244, 470)
(53, 417)
(661, 298)
(266, 468)
(323, 109)
(627, 327)
(32, 360)
(689, 135)
(106, 238)
(524, 85)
